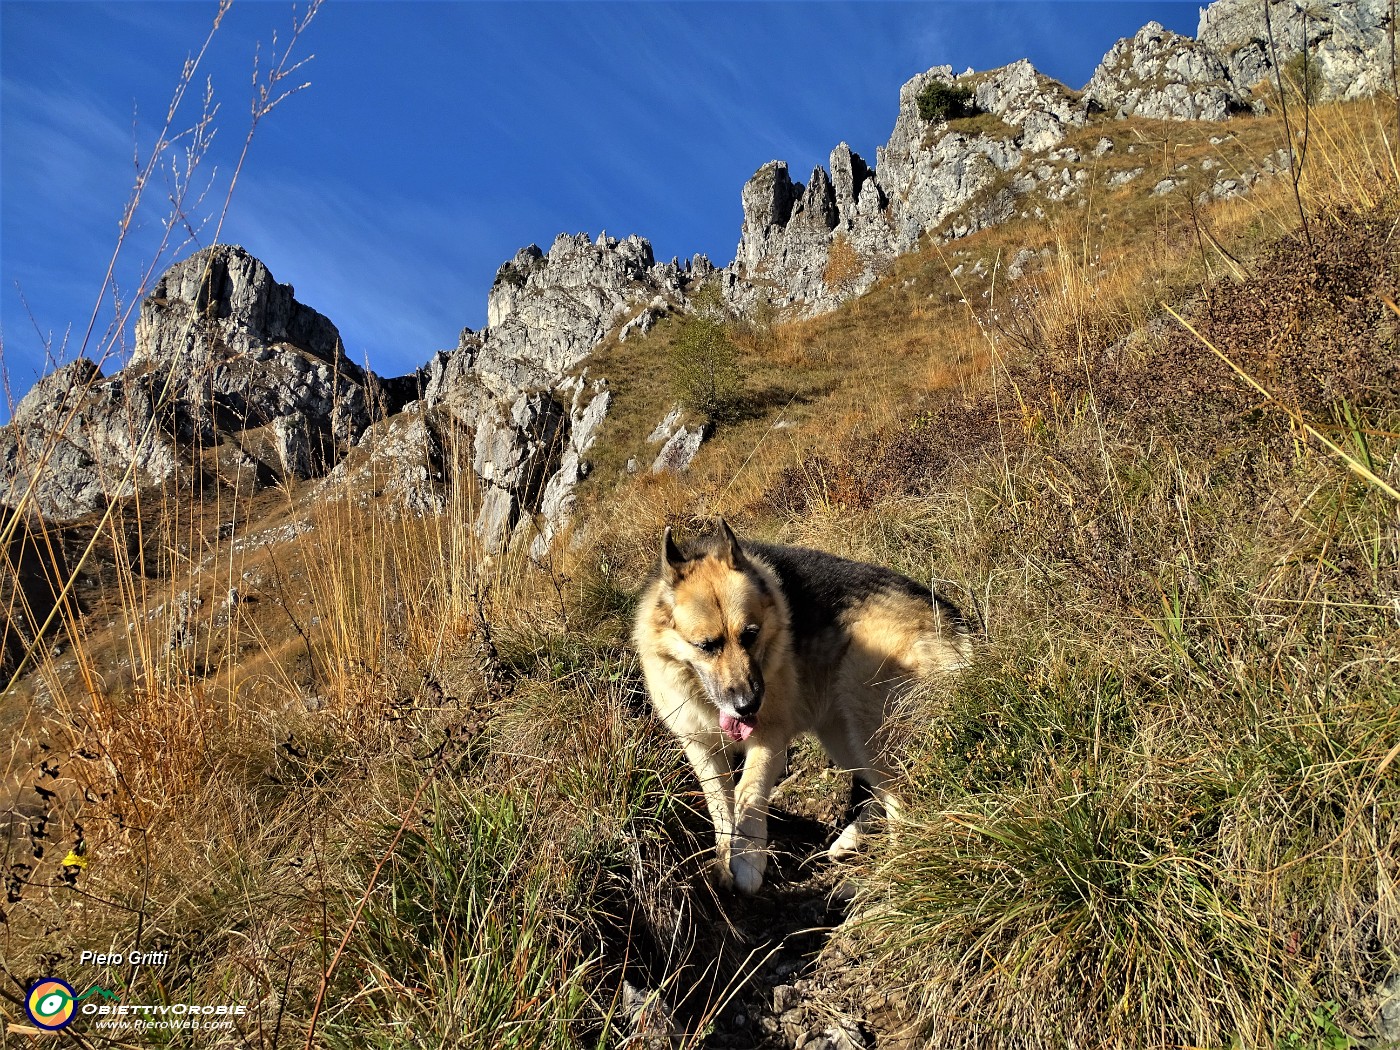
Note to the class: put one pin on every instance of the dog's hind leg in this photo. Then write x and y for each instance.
(847, 748)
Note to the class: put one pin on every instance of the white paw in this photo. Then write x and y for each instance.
(846, 844)
(748, 873)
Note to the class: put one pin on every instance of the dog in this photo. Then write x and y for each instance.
(745, 646)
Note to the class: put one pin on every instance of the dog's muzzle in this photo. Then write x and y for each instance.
(738, 705)
(745, 702)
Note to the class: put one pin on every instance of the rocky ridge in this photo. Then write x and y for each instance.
(952, 177)
(516, 385)
(232, 376)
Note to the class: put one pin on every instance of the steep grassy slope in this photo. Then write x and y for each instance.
(397, 792)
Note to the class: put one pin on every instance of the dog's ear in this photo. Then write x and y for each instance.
(729, 551)
(672, 560)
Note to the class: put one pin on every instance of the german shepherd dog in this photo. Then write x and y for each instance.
(747, 645)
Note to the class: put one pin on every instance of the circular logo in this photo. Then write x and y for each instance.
(50, 1003)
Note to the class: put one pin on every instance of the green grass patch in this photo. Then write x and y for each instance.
(459, 945)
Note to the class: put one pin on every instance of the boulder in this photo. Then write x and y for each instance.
(680, 449)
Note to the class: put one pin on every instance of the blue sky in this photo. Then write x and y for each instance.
(436, 138)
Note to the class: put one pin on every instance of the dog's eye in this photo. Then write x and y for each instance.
(749, 634)
(709, 646)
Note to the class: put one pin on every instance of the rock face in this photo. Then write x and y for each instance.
(239, 352)
(547, 311)
(222, 301)
(1387, 1025)
(932, 170)
(1348, 39)
(78, 440)
(516, 384)
(1163, 76)
(679, 444)
(820, 243)
(226, 362)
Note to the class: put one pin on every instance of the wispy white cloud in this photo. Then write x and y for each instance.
(69, 164)
(61, 146)
(61, 162)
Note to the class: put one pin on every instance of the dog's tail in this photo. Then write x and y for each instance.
(947, 646)
(943, 650)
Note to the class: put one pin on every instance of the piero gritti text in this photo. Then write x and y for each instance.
(134, 958)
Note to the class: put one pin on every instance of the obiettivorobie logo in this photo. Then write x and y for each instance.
(52, 1004)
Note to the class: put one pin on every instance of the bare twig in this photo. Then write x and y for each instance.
(1295, 157)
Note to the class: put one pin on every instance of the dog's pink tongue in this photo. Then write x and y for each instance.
(735, 728)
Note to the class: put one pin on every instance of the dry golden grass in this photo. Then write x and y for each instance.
(1149, 815)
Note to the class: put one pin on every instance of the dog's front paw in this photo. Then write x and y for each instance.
(748, 872)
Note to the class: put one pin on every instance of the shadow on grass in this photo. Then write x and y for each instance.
(770, 398)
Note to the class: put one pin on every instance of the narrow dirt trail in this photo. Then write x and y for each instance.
(772, 971)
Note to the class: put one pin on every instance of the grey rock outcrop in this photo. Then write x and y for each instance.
(928, 172)
(517, 447)
(587, 410)
(787, 231)
(1387, 1023)
(224, 356)
(547, 311)
(517, 382)
(223, 301)
(680, 444)
(1043, 110)
(1348, 39)
(1164, 76)
(236, 351)
(408, 459)
(768, 198)
(662, 432)
(645, 321)
(680, 449)
(78, 441)
(931, 172)
(514, 396)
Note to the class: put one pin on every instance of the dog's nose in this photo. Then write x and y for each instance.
(747, 702)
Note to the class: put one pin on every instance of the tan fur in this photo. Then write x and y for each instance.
(838, 691)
